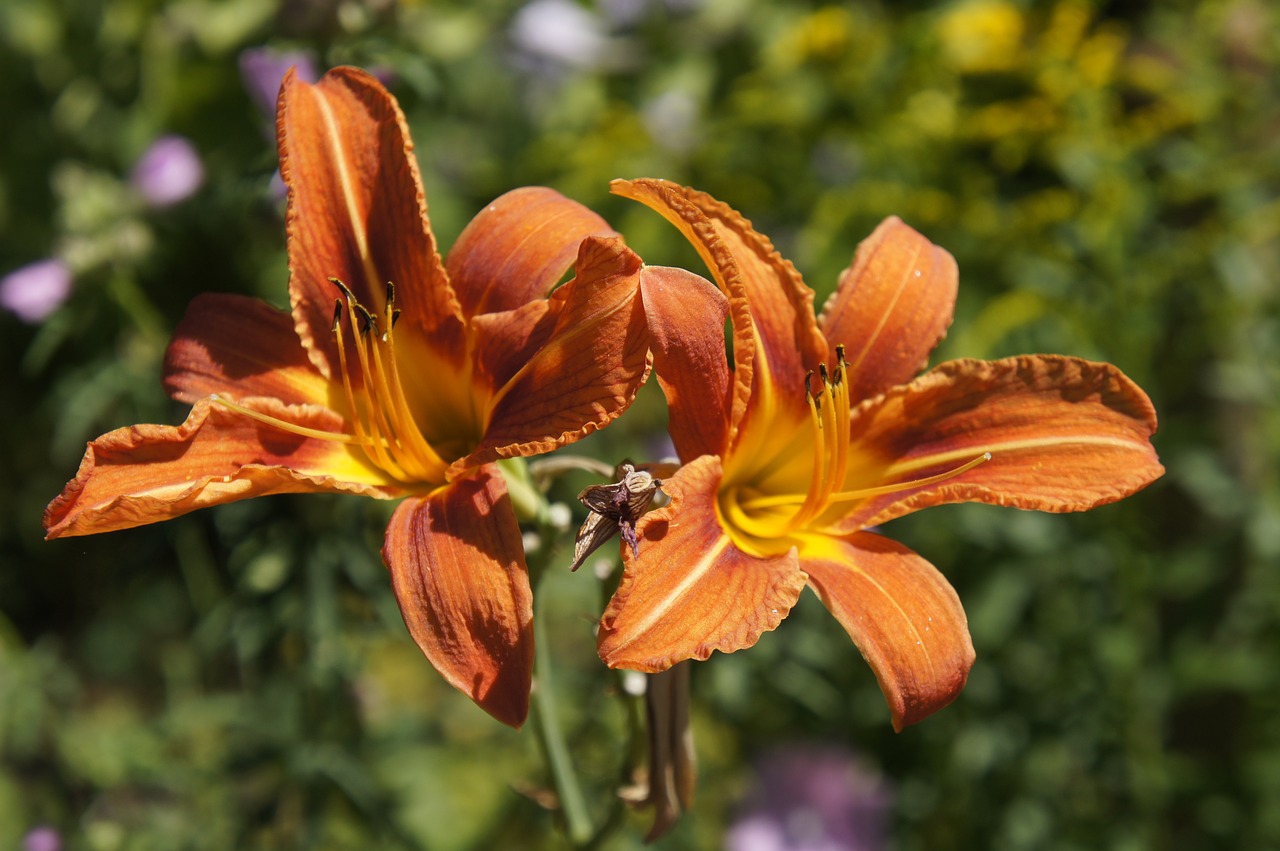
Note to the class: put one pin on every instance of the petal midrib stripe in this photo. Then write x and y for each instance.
(968, 452)
(659, 611)
(346, 183)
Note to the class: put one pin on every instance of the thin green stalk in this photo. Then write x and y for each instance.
(572, 803)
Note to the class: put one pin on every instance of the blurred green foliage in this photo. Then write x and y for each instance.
(1108, 177)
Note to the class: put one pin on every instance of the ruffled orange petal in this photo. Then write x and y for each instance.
(901, 613)
(686, 316)
(1064, 435)
(691, 591)
(669, 199)
(457, 568)
(891, 308)
(589, 370)
(240, 347)
(517, 248)
(746, 265)
(148, 473)
(357, 212)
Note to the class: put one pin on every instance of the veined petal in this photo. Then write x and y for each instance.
(148, 473)
(357, 212)
(240, 347)
(780, 304)
(517, 248)
(457, 568)
(671, 201)
(891, 308)
(686, 316)
(1064, 435)
(691, 591)
(506, 341)
(902, 614)
(589, 370)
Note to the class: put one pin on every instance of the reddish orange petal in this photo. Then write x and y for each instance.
(891, 308)
(691, 591)
(903, 615)
(148, 473)
(747, 268)
(1064, 435)
(517, 248)
(670, 200)
(357, 212)
(589, 370)
(240, 347)
(457, 567)
(686, 316)
(506, 341)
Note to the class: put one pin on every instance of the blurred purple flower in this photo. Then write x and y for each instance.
(43, 838)
(812, 798)
(168, 172)
(262, 69)
(36, 290)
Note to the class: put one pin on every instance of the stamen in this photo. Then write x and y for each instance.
(380, 415)
(778, 515)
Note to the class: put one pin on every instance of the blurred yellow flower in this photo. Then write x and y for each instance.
(982, 36)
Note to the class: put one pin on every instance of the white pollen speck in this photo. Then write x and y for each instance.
(919, 273)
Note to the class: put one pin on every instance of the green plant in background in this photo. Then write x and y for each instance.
(1106, 179)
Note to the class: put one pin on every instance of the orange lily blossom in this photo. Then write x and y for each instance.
(410, 389)
(817, 432)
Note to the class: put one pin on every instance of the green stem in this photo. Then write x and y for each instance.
(572, 803)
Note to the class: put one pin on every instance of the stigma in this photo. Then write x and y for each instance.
(380, 420)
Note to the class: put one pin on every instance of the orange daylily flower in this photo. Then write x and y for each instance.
(817, 432)
(410, 389)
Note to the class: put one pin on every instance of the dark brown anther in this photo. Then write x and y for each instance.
(840, 355)
(391, 293)
(346, 291)
(367, 321)
(809, 397)
(395, 317)
(822, 370)
(337, 314)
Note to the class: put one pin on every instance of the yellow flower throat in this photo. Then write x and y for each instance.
(382, 423)
(760, 517)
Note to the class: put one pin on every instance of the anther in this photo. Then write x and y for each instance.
(367, 321)
(822, 370)
(391, 293)
(337, 315)
(346, 291)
